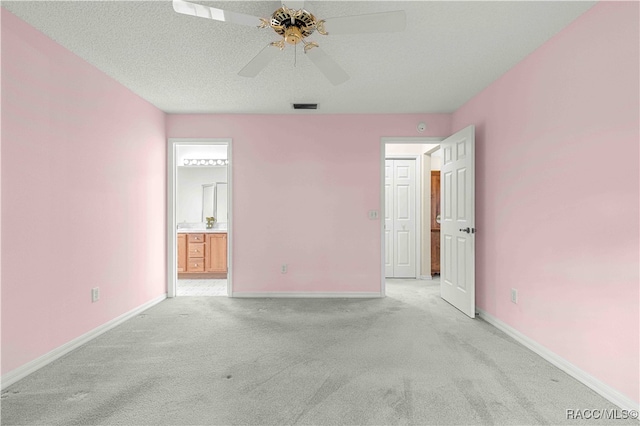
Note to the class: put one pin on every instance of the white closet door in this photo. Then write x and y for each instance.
(400, 219)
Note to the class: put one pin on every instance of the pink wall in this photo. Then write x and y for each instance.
(302, 187)
(557, 194)
(83, 196)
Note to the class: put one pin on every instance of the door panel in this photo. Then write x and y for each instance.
(403, 250)
(446, 193)
(402, 170)
(388, 202)
(461, 202)
(446, 254)
(457, 283)
(461, 150)
(182, 252)
(462, 264)
(403, 202)
(217, 253)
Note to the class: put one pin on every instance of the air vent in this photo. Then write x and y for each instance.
(305, 106)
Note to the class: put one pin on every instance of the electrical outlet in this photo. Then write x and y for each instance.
(95, 294)
(373, 214)
(284, 268)
(514, 295)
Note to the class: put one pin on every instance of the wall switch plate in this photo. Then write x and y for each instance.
(373, 214)
(514, 295)
(284, 268)
(95, 294)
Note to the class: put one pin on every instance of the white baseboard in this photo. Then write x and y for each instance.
(24, 370)
(314, 295)
(582, 376)
(426, 277)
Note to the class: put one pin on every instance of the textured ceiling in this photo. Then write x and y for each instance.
(449, 52)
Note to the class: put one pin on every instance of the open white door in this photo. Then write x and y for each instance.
(457, 229)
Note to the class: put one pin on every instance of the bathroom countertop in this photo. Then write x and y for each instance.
(202, 231)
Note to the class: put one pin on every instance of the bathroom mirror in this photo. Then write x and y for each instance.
(214, 201)
(208, 191)
(220, 202)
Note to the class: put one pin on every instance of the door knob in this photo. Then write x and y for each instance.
(468, 230)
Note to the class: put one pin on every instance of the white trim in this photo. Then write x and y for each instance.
(426, 277)
(407, 140)
(418, 206)
(395, 140)
(310, 295)
(432, 150)
(383, 271)
(229, 217)
(32, 366)
(582, 376)
(172, 273)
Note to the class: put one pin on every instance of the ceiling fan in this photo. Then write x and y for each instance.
(294, 25)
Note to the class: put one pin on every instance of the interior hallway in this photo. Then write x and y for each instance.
(409, 358)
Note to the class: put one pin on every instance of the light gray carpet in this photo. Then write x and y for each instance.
(409, 358)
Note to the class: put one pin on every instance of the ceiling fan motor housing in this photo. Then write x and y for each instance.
(293, 25)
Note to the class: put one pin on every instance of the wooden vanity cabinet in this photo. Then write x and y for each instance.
(195, 252)
(200, 253)
(182, 252)
(216, 260)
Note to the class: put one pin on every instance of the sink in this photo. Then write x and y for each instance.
(192, 226)
(201, 227)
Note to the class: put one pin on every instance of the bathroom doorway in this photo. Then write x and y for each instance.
(199, 217)
(406, 244)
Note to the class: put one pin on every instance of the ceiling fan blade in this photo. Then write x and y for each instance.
(384, 22)
(293, 4)
(194, 9)
(260, 61)
(334, 73)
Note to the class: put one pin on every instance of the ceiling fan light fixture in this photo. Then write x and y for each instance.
(293, 35)
(294, 25)
(289, 22)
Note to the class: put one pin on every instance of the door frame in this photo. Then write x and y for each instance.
(172, 273)
(402, 140)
